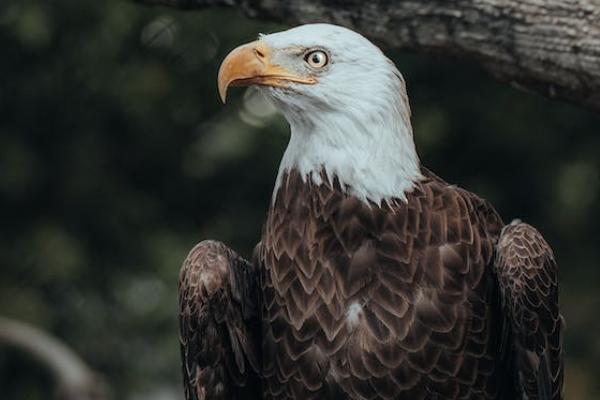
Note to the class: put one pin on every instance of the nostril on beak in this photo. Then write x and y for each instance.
(259, 53)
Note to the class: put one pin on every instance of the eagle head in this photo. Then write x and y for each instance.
(345, 101)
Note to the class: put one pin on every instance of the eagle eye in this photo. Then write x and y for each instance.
(316, 58)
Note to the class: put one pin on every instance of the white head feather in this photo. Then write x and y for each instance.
(354, 122)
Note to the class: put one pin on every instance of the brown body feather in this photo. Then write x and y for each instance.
(362, 301)
(219, 324)
(527, 276)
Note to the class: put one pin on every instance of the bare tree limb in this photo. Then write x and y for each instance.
(75, 380)
(547, 46)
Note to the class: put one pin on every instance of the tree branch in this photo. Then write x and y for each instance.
(75, 380)
(547, 46)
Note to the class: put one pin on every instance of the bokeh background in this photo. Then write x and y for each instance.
(116, 157)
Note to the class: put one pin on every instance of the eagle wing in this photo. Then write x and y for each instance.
(219, 326)
(527, 275)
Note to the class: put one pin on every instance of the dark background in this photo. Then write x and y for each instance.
(116, 157)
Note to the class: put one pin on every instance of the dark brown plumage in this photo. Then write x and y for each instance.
(527, 275)
(428, 298)
(219, 324)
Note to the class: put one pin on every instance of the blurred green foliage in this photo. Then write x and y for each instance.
(116, 157)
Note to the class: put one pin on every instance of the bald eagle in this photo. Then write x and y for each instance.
(374, 278)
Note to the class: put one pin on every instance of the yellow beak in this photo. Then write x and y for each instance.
(251, 64)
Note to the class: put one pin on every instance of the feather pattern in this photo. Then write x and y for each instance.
(219, 325)
(427, 297)
(527, 275)
(391, 301)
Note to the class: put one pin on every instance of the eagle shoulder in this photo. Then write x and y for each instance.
(219, 326)
(528, 279)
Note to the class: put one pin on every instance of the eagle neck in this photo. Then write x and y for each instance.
(370, 151)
